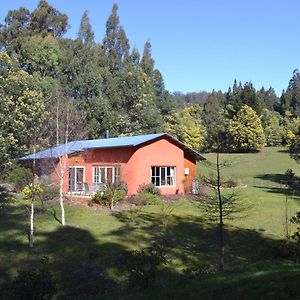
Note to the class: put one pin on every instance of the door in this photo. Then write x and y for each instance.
(76, 179)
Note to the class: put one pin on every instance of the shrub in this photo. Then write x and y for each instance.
(148, 188)
(290, 178)
(119, 195)
(20, 177)
(149, 199)
(142, 265)
(28, 190)
(49, 192)
(34, 284)
(120, 185)
(109, 197)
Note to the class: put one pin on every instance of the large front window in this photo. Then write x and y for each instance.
(106, 174)
(163, 176)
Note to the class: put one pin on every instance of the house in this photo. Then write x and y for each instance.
(91, 164)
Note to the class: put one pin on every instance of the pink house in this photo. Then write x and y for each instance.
(91, 164)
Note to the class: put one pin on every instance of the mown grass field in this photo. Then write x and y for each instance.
(93, 242)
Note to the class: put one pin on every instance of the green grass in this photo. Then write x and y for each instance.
(94, 240)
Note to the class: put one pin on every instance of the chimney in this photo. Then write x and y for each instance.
(107, 134)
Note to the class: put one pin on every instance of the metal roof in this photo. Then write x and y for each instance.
(127, 141)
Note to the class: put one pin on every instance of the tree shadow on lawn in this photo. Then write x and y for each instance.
(83, 266)
(281, 188)
(192, 241)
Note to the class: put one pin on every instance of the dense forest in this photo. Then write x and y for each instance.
(50, 84)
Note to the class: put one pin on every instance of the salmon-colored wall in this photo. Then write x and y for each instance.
(135, 163)
(159, 153)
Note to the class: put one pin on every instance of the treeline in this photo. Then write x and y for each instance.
(108, 85)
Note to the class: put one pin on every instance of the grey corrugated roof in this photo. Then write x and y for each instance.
(127, 141)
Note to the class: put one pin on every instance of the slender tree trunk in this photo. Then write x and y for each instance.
(61, 199)
(221, 231)
(31, 234)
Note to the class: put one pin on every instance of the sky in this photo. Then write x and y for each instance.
(200, 45)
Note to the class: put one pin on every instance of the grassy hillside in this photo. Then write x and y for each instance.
(261, 176)
(86, 256)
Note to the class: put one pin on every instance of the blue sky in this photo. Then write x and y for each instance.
(201, 44)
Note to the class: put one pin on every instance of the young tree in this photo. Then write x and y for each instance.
(221, 205)
(69, 126)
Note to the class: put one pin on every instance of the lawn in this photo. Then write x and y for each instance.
(85, 256)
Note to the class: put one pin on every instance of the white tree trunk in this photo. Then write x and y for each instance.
(31, 225)
(61, 200)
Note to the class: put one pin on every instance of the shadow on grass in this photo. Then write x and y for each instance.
(281, 188)
(86, 267)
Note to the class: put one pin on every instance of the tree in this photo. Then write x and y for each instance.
(222, 205)
(69, 126)
(21, 106)
(85, 33)
(186, 125)
(115, 42)
(214, 121)
(47, 20)
(15, 28)
(40, 54)
(245, 131)
(147, 62)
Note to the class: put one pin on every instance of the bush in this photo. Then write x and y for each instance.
(28, 191)
(49, 192)
(109, 197)
(142, 265)
(149, 199)
(34, 284)
(120, 185)
(20, 177)
(148, 188)
(119, 195)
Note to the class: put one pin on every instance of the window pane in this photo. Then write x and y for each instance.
(156, 171)
(153, 180)
(102, 172)
(168, 171)
(157, 181)
(153, 171)
(163, 175)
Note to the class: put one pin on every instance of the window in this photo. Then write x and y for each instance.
(107, 174)
(76, 179)
(163, 176)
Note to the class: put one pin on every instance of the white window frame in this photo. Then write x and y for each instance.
(76, 167)
(159, 176)
(105, 173)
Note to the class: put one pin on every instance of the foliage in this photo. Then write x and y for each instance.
(28, 191)
(19, 176)
(120, 185)
(109, 197)
(296, 220)
(148, 188)
(149, 199)
(295, 150)
(142, 265)
(119, 195)
(50, 192)
(22, 111)
(35, 283)
(186, 125)
(245, 130)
